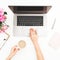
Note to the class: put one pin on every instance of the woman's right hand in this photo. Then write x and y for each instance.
(33, 35)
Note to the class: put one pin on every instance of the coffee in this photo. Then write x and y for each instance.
(22, 44)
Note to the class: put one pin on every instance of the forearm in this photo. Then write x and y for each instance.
(9, 57)
(38, 51)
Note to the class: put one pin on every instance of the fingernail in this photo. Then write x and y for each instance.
(14, 49)
(18, 48)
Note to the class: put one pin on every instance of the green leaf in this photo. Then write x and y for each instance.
(0, 25)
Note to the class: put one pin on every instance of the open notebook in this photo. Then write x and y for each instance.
(55, 41)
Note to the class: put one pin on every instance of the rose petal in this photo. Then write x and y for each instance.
(1, 11)
(1, 31)
(4, 27)
(2, 18)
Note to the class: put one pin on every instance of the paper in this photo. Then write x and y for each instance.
(55, 41)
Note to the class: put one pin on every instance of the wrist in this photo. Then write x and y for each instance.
(35, 42)
(8, 58)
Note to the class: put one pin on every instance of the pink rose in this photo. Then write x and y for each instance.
(4, 27)
(0, 31)
(2, 18)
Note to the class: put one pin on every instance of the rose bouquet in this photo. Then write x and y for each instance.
(3, 18)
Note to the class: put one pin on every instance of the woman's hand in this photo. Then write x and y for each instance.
(34, 38)
(13, 51)
(33, 35)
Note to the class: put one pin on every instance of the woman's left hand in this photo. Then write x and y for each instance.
(13, 51)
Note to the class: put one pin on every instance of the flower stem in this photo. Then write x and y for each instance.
(0, 25)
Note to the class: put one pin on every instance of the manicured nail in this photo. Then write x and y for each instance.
(18, 48)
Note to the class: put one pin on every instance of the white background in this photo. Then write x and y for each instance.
(28, 53)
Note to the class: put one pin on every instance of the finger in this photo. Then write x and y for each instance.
(31, 30)
(35, 32)
(14, 47)
(18, 49)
